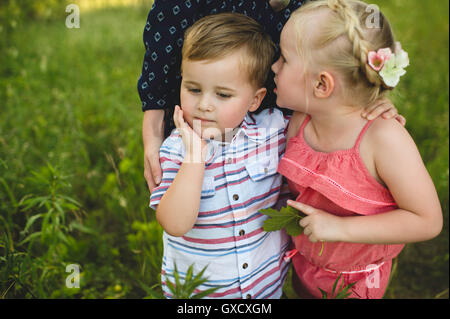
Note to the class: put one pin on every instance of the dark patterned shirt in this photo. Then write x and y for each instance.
(159, 83)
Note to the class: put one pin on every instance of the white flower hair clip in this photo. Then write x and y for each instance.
(390, 66)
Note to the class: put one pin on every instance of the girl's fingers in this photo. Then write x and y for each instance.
(304, 222)
(308, 210)
(307, 231)
(313, 239)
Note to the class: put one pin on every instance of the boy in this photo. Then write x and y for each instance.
(208, 205)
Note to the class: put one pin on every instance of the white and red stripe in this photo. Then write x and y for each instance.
(242, 260)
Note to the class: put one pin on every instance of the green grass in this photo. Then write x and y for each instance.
(71, 154)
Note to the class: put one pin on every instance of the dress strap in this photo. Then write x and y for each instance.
(302, 127)
(361, 134)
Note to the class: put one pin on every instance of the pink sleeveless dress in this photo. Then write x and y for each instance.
(339, 183)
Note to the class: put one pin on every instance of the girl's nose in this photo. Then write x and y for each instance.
(275, 66)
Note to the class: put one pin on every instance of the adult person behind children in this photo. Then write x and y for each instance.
(159, 83)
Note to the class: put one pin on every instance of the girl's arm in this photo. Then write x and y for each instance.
(399, 165)
(179, 206)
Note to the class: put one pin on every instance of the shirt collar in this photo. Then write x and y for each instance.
(248, 128)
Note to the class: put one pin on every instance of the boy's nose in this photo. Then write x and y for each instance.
(205, 105)
(205, 108)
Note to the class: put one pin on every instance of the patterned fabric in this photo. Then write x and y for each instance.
(240, 179)
(159, 83)
(339, 183)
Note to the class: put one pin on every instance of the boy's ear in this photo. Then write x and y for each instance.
(324, 85)
(257, 99)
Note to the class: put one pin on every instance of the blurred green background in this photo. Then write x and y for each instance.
(71, 161)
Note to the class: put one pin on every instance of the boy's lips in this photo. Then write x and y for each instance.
(203, 120)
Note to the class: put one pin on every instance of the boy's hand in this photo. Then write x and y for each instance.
(194, 144)
(318, 225)
(385, 108)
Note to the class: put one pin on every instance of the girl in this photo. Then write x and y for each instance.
(362, 184)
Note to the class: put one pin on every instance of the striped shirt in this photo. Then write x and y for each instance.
(241, 178)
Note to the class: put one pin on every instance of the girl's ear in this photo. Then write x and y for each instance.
(257, 99)
(324, 85)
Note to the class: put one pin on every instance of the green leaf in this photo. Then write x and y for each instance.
(30, 222)
(178, 287)
(335, 284)
(171, 287)
(293, 228)
(324, 293)
(184, 289)
(204, 293)
(287, 218)
(342, 292)
(31, 237)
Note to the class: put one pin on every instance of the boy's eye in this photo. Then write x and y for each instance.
(223, 95)
(193, 90)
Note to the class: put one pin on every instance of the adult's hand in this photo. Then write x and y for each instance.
(153, 136)
(278, 5)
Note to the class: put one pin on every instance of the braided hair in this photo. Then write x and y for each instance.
(342, 40)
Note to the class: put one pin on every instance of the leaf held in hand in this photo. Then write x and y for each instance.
(287, 218)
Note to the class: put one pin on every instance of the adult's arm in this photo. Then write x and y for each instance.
(159, 83)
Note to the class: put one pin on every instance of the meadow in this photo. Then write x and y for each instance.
(72, 190)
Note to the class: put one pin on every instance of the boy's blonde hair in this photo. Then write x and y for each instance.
(342, 40)
(216, 36)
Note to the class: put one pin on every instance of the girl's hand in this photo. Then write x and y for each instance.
(385, 108)
(319, 225)
(194, 144)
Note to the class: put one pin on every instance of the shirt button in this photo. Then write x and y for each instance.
(241, 232)
(245, 265)
(266, 170)
(248, 296)
(235, 196)
(229, 161)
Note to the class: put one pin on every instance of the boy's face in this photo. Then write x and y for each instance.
(216, 95)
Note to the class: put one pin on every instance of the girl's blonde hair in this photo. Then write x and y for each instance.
(342, 41)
